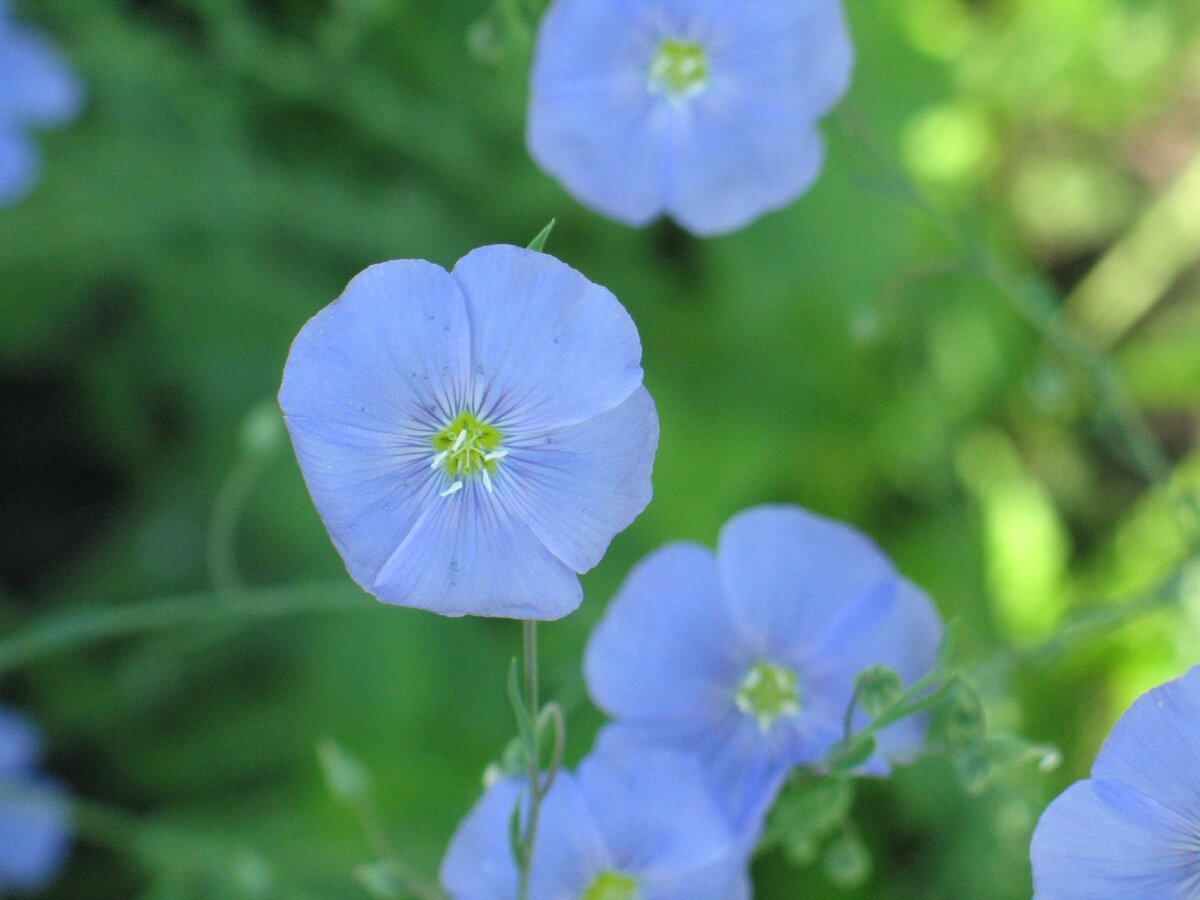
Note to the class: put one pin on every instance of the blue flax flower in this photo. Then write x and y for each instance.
(37, 88)
(626, 827)
(33, 815)
(748, 657)
(472, 439)
(1133, 828)
(702, 110)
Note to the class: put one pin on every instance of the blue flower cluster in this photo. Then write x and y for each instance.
(1133, 828)
(723, 673)
(33, 814)
(37, 88)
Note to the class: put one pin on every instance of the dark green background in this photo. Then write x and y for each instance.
(239, 161)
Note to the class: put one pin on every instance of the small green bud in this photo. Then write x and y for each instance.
(347, 778)
(877, 688)
(974, 767)
(261, 429)
(847, 861)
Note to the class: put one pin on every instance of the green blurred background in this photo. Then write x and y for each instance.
(239, 160)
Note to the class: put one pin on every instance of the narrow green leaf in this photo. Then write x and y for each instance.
(539, 242)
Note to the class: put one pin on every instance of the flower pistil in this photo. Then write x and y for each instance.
(467, 447)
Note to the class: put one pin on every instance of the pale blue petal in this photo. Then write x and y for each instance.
(742, 772)
(570, 850)
(593, 124)
(479, 864)
(34, 833)
(368, 383)
(370, 488)
(469, 554)
(19, 745)
(895, 625)
(1104, 840)
(737, 158)
(578, 486)
(1155, 746)
(392, 354)
(549, 348)
(789, 575)
(664, 648)
(655, 810)
(18, 166)
(37, 86)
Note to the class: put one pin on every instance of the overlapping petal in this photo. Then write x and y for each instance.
(578, 486)
(479, 863)
(548, 347)
(789, 575)
(34, 835)
(662, 650)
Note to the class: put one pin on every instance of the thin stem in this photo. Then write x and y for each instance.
(222, 526)
(80, 627)
(532, 756)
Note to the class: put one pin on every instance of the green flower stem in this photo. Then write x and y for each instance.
(532, 757)
(79, 627)
(227, 511)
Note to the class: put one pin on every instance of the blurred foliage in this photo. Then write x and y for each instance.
(240, 160)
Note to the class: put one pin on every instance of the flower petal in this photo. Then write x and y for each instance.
(37, 86)
(593, 124)
(369, 381)
(788, 575)
(18, 166)
(658, 818)
(392, 354)
(19, 745)
(578, 486)
(549, 348)
(1154, 748)
(570, 850)
(479, 864)
(469, 554)
(663, 649)
(33, 833)
(1103, 840)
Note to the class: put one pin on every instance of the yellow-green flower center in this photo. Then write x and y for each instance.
(679, 69)
(467, 447)
(768, 693)
(611, 885)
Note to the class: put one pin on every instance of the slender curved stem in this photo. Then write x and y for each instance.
(79, 627)
(532, 756)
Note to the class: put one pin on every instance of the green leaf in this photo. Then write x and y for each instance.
(849, 756)
(539, 242)
(346, 777)
(847, 861)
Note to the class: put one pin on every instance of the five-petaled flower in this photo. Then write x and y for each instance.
(748, 658)
(33, 814)
(627, 827)
(702, 110)
(1133, 828)
(472, 439)
(37, 88)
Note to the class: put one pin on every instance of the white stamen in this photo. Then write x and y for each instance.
(495, 454)
(458, 441)
(453, 489)
(437, 460)
(487, 480)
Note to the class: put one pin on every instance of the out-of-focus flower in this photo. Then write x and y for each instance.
(642, 825)
(748, 658)
(1133, 828)
(37, 89)
(472, 439)
(702, 110)
(33, 813)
